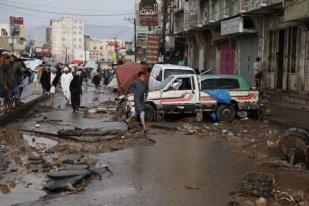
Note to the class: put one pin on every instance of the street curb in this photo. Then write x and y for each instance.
(19, 111)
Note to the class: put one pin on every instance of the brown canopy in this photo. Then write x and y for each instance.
(127, 73)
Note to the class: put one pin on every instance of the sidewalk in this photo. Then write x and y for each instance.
(28, 99)
(288, 109)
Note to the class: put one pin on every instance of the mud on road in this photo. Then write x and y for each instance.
(180, 161)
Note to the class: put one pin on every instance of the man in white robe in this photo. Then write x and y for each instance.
(66, 79)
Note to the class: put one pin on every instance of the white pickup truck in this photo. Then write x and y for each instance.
(187, 94)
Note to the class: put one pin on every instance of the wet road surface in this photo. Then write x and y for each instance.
(177, 170)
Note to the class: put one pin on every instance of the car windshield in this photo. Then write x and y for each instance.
(163, 84)
(169, 72)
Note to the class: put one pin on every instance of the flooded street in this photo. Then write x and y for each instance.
(175, 163)
(177, 170)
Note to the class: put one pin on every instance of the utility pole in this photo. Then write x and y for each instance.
(116, 49)
(135, 43)
(165, 7)
(133, 20)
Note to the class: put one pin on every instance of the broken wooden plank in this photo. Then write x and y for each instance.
(62, 184)
(63, 174)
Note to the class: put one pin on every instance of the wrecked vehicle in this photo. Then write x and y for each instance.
(190, 94)
(160, 72)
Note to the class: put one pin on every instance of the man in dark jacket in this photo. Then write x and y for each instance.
(45, 79)
(140, 89)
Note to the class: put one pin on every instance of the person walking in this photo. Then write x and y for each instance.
(66, 79)
(37, 78)
(8, 76)
(258, 73)
(76, 91)
(140, 89)
(96, 80)
(45, 80)
(54, 80)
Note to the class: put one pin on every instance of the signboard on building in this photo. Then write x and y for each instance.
(148, 13)
(17, 26)
(141, 40)
(142, 29)
(193, 13)
(153, 46)
(16, 20)
(232, 26)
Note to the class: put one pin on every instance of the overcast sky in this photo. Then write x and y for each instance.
(99, 26)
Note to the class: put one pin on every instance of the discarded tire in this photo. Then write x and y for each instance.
(226, 113)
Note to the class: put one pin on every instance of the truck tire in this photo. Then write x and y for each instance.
(226, 113)
(150, 113)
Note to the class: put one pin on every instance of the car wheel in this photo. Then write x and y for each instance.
(226, 113)
(150, 113)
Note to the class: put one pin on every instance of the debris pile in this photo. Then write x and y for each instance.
(294, 145)
(258, 184)
(74, 176)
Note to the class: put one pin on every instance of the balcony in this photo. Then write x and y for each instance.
(222, 9)
(296, 10)
(251, 5)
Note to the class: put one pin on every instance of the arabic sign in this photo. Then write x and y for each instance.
(142, 29)
(193, 13)
(148, 13)
(232, 26)
(141, 40)
(153, 47)
(16, 20)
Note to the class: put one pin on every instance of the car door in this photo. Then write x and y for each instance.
(180, 96)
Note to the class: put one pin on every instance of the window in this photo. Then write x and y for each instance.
(94, 47)
(181, 84)
(208, 84)
(159, 77)
(101, 48)
(228, 84)
(169, 72)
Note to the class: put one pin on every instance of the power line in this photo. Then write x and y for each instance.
(56, 7)
(61, 13)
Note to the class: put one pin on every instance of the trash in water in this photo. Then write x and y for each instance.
(261, 202)
(258, 184)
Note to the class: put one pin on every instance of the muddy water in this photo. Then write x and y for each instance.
(39, 142)
(29, 189)
(177, 170)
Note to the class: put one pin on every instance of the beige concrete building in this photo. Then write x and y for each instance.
(104, 49)
(67, 38)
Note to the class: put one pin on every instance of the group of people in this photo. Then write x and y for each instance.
(49, 76)
(13, 77)
(105, 75)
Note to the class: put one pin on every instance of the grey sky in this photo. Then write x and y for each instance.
(99, 27)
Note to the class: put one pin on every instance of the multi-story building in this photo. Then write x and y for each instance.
(67, 38)
(228, 36)
(5, 30)
(104, 49)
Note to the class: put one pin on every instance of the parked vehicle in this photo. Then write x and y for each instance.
(190, 93)
(160, 72)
